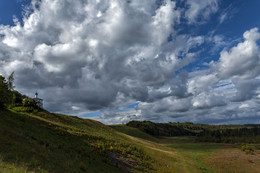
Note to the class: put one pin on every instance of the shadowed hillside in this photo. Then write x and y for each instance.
(45, 142)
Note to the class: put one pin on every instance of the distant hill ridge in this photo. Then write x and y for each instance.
(249, 133)
(160, 129)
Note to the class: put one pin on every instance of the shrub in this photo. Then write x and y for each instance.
(24, 109)
(27, 102)
(247, 149)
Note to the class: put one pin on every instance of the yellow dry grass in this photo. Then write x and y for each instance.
(235, 161)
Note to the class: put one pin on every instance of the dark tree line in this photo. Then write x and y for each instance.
(248, 135)
(203, 132)
(160, 129)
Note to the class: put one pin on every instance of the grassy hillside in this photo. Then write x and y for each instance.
(45, 142)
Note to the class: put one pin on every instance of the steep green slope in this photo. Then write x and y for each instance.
(45, 142)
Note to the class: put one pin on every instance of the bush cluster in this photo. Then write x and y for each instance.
(247, 149)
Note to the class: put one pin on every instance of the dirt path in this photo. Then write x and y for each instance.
(151, 145)
(182, 163)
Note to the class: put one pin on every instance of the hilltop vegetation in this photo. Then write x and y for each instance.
(10, 98)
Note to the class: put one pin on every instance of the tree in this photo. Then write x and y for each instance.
(28, 102)
(15, 95)
(5, 94)
(17, 99)
(11, 82)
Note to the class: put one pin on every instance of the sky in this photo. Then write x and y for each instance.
(120, 60)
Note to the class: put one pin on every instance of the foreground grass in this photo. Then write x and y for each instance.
(45, 142)
(6, 168)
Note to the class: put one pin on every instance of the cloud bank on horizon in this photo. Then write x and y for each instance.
(178, 60)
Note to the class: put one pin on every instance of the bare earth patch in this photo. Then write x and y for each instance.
(235, 161)
(127, 164)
